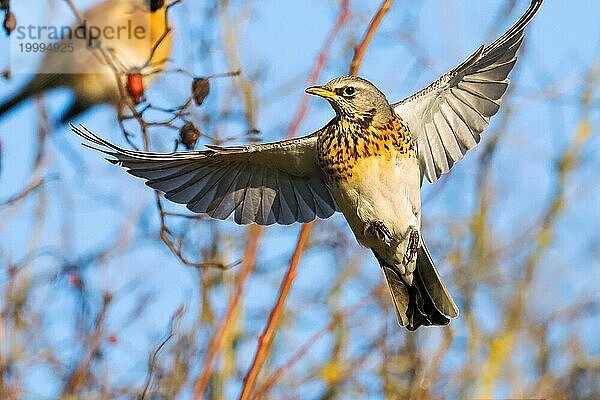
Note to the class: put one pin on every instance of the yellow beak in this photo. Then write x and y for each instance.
(321, 91)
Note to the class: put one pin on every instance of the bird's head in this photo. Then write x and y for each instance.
(355, 99)
(156, 5)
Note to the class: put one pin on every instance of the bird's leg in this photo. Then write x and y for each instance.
(379, 230)
(414, 239)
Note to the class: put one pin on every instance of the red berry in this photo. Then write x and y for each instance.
(74, 279)
(135, 86)
(112, 339)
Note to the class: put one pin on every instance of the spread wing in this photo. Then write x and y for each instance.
(447, 117)
(269, 183)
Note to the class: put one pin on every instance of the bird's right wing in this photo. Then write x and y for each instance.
(278, 182)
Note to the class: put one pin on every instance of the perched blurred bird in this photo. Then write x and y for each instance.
(368, 163)
(85, 70)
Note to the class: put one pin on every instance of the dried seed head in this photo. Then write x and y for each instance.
(10, 22)
(200, 89)
(188, 135)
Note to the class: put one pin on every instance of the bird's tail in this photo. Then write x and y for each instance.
(426, 301)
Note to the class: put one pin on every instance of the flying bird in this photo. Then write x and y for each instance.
(368, 162)
(86, 72)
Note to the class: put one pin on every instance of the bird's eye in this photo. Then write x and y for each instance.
(349, 91)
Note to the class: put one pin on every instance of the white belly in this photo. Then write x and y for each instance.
(386, 190)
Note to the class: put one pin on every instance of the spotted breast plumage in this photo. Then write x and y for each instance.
(368, 162)
(342, 144)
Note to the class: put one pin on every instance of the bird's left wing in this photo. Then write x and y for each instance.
(447, 117)
(278, 182)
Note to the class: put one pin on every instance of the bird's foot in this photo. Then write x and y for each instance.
(414, 239)
(379, 230)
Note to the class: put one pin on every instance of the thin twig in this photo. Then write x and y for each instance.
(266, 338)
(79, 374)
(177, 248)
(25, 192)
(336, 319)
(360, 49)
(248, 263)
(319, 65)
(167, 31)
(153, 357)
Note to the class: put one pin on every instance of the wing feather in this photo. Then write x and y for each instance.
(286, 215)
(242, 188)
(252, 201)
(320, 194)
(288, 197)
(223, 205)
(272, 182)
(449, 142)
(306, 201)
(437, 149)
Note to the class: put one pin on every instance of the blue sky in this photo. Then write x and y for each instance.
(87, 201)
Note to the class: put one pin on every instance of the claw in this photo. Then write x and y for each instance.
(414, 239)
(379, 230)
